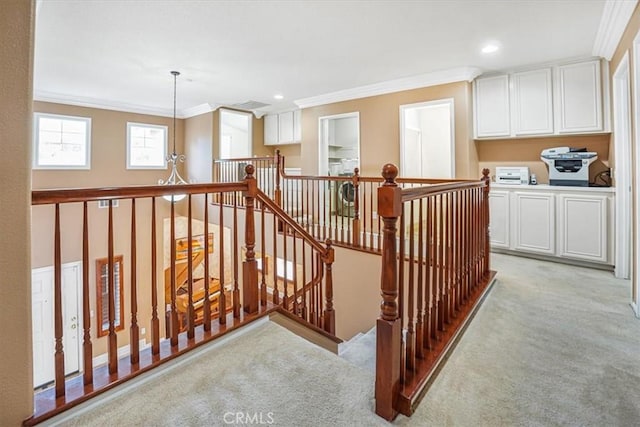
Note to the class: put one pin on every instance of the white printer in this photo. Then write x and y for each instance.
(568, 166)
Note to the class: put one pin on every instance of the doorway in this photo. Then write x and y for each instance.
(622, 170)
(635, 282)
(235, 134)
(42, 303)
(339, 144)
(427, 140)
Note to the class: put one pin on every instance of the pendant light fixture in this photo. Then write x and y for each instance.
(173, 158)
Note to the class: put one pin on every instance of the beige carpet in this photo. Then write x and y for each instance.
(552, 345)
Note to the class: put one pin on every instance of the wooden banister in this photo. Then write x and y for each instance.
(250, 265)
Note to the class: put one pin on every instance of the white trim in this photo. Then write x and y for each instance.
(615, 17)
(390, 86)
(635, 280)
(35, 141)
(249, 129)
(622, 171)
(128, 145)
(445, 101)
(123, 351)
(197, 110)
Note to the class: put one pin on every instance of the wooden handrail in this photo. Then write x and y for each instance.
(244, 159)
(70, 195)
(409, 194)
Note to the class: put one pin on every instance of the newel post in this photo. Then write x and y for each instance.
(250, 265)
(277, 193)
(486, 179)
(329, 313)
(355, 238)
(388, 326)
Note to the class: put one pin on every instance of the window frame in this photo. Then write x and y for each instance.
(128, 146)
(36, 142)
(119, 287)
(249, 116)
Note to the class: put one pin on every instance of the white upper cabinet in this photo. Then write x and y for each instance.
(283, 128)
(559, 100)
(579, 98)
(491, 105)
(271, 129)
(532, 102)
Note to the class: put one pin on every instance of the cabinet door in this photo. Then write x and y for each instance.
(532, 102)
(491, 107)
(499, 219)
(579, 98)
(534, 222)
(583, 227)
(285, 127)
(271, 129)
(297, 125)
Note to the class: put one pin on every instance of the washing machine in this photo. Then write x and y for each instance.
(344, 198)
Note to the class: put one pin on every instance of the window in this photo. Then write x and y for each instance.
(61, 142)
(102, 283)
(235, 134)
(146, 146)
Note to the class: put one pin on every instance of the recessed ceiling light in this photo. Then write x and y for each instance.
(278, 96)
(490, 48)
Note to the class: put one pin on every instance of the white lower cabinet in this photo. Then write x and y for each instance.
(499, 219)
(553, 221)
(533, 222)
(583, 231)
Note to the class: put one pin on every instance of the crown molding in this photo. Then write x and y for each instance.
(390, 86)
(82, 101)
(615, 17)
(197, 110)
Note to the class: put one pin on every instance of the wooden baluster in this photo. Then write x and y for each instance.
(236, 290)
(285, 298)
(277, 192)
(263, 252)
(155, 322)
(250, 265)
(388, 327)
(190, 309)
(173, 313)
(113, 338)
(320, 293)
(355, 236)
(485, 224)
(420, 284)
(276, 292)
(206, 310)
(222, 298)
(457, 239)
(57, 307)
(410, 337)
(304, 281)
(447, 258)
(428, 331)
(313, 292)
(134, 330)
(371, 225)
(295, 275)
(87, 346)
(329, 313)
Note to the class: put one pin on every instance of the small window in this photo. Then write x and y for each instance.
(102, 283)
(146, 146)
(61, 142)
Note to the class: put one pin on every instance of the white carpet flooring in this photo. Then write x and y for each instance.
(551, 345)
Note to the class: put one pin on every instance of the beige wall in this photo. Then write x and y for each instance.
(380, 128)
(16, 69)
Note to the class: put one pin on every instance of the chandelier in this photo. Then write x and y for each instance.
(173, 158)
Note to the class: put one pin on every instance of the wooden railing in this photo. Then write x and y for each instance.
(266, 173)
(280, 271)
(435, 271)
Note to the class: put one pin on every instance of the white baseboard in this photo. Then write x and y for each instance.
(123, 351)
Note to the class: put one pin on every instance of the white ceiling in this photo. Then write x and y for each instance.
(119, 53)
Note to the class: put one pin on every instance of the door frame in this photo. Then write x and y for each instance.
(452, 123)
(635, 280)
(323, 143)
(622, 171)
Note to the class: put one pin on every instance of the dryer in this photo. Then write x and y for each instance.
(344, 198)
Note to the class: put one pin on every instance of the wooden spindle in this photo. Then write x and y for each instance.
(420, 284)
(263, 252)
(285, 298)
(236, 290)
(222, 298)
(113, 338)
(428, 327)
(279, 165)
(250, 266)
(57, 307)
(295, 274)
(304, 281)
(155, 321)
(87, 346)
(355, 236)
(134, 330)
(173, 313)
(329, 313)
(276, 292)
(190, 309)
(485, 226)
(206, 310)
(388, 328)
(410, 337)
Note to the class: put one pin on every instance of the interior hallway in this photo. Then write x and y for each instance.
(552, 345)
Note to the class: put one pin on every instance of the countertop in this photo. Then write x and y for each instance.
(547, 187)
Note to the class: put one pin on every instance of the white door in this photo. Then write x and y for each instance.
(427, 140)
(622, 169)
(42, 281)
